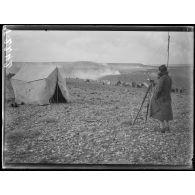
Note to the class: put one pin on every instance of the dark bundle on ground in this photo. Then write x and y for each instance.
(14, 104)
(173, 90)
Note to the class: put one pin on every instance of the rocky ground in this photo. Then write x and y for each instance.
(95, 128)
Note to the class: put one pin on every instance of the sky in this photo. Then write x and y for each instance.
(102, 46)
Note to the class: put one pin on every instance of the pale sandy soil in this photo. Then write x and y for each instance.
(96, 128)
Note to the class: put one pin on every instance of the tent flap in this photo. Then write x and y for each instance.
(62, 85)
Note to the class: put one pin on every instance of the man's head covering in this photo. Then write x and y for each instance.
(162, 68)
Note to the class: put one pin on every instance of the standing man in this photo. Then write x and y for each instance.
(160, 107)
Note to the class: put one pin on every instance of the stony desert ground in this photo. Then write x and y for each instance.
(96, 128)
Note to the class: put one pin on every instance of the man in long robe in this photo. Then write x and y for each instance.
(160, 106)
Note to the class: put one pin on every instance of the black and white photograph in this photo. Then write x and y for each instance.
(98, 98)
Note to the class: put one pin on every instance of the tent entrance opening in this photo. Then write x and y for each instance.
(57, 96)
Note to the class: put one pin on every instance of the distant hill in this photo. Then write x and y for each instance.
(127, 67)
(81, 65)
(170, 65)
(182, 77)
(182, 74)
(80, 69)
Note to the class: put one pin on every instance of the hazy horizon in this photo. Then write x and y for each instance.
(102, 47)
(99, 62)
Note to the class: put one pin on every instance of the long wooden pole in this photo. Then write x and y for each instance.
(57, 85)
(168, 50)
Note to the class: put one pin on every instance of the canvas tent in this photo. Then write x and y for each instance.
(9, 95)
(40, 84)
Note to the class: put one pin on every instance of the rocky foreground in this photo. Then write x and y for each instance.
(96, 128)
